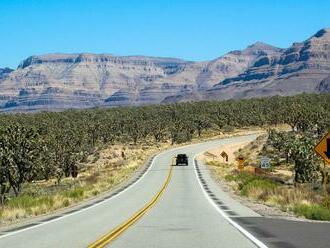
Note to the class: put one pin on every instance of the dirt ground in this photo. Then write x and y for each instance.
(215, 153)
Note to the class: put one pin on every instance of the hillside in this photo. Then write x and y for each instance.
(61, 81)
(303, 67)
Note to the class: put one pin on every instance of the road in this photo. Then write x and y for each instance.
(193, 211)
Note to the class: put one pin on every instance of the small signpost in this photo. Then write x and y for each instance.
(323, 148)
(224, 155)
(264, 163)
(240, 161)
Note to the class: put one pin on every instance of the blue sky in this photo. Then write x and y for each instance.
(193, 30)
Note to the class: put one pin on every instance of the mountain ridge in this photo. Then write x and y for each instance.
(303, 67)
(81, 80)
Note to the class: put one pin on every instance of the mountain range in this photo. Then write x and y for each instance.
(62, 81)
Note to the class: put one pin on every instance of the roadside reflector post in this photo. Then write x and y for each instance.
(325, 182)
(240, 161)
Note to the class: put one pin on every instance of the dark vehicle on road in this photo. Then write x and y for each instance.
(181, 159)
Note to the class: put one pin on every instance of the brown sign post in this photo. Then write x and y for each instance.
(224, 155)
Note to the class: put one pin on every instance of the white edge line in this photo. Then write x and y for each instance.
(94, 205)
(237, 226)
(115, 196)
(84, 209)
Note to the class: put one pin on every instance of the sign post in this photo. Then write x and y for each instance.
(240, 161)
(224, 155)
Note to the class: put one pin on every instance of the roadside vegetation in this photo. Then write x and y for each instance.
(297, 180)
(50, 159)
(301, 200)
(100, 172)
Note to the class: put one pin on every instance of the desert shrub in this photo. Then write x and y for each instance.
(27, 202)
(230, 178)
(76, 193)
(251, 185)
(66, 203)
(93, 178)
(313, 211)
(228, 129)
(214, 163)
(258, 188)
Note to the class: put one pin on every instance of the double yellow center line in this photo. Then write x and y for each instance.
(113, 234)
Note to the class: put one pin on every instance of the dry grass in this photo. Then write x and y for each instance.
(301, 200)
(102, 171)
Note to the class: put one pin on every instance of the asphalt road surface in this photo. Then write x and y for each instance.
(192, 212)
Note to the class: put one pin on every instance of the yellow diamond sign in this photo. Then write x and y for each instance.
(323, 148)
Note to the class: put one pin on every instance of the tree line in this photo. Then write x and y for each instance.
(50, 144)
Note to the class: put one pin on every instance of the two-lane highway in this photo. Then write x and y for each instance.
(182, 217)
(182, 207)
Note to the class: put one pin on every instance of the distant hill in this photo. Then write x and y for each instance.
(61, 81)
(303, 67)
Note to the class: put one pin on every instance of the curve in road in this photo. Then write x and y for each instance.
(182, 217)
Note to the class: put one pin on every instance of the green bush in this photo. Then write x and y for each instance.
(256, 184)
(76, 193)
(245, 177)
(230, 178)
(314, 211)
(249, 184)
(66, 203)
(241, 178)
(228, 129)
(27, 201)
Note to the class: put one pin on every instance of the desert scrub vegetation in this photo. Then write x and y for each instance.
(301, 200)
(312, 211)
(256, 187)
(53, 150)
(299, 186)
(41, 197)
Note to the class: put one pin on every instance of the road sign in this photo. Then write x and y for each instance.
(240, 161)
(323, 148)
(264, 163)
(224, 155)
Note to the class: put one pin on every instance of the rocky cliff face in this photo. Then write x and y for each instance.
(324, 85)
(60, 81)
(4, 72)
(303, 67)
